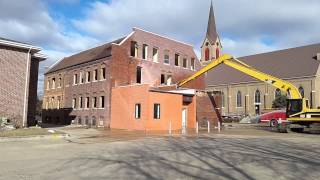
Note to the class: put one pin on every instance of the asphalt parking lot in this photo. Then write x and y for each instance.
(95, 154)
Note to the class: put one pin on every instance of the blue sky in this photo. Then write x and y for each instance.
(64, 27)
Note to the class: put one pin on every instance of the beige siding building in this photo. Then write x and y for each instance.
(245, 95)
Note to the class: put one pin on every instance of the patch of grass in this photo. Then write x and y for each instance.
(27, 132)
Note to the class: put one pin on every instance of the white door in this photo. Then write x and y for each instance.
(184, 120)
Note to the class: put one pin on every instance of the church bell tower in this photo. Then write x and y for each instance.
(211, 46)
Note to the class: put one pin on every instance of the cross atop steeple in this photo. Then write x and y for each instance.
(211, 29)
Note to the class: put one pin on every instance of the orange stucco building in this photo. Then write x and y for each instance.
(141, 107)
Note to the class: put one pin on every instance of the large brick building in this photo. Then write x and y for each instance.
(244, 95)
(19, 64)
(78, 88)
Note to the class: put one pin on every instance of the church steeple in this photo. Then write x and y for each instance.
(211, 46)
(211, 29)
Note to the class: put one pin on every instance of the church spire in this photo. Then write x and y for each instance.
(211, 29)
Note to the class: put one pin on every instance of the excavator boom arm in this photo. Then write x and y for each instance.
(240, 66)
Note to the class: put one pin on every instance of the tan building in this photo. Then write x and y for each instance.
(241, 94)
(245, 95)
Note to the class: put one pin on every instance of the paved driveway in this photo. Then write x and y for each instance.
(216, 156)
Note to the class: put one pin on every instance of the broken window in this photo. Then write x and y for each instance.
(162, 79)
(176, 59)
(88, 76)
(144, 51)
(59, 83)
(192, 66)
(166, 79)
(87, 101)
(101, 101)
(138, 75)
(155, 54)
(134, 49)
(53, 83)
(166, 59)
(137, 111)
(94, 102)
(156, 111)
(184, 62)
(103, 73)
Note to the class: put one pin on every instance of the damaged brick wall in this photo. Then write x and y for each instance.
(208, 108)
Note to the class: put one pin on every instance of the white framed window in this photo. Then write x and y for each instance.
(134, 49)
(80, 103)
(74, 103)
(103, 73)
(176, 59)
(192, 64)
(155, 54)
(144, 51)
(166, 57)
(137, 111)
(88, 77)
(81, 77)
(156, 111)
(95, 75)
(184, 62)
(75, 79)
(87, 102)
(48, 84)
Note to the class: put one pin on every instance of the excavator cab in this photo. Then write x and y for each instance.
(294, 106)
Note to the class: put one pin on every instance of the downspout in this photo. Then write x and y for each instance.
(26, 90)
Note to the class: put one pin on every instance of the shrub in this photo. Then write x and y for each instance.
(280, 102)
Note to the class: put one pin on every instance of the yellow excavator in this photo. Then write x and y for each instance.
(299, 115)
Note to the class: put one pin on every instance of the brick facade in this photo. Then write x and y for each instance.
(18, 87)
(120, 70)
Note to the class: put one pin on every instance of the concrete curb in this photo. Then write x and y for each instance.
(29, 138)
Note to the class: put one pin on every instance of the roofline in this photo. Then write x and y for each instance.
(280, 50)
(20, 45)
(136, 28)
(40, 56)
(125, 39)
(248, 82)
(46, 73)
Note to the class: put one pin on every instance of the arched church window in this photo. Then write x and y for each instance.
(301, 91)
(207, 54)
(257, 96)
(239, 99)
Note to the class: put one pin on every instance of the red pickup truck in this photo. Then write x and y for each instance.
(272, 117)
